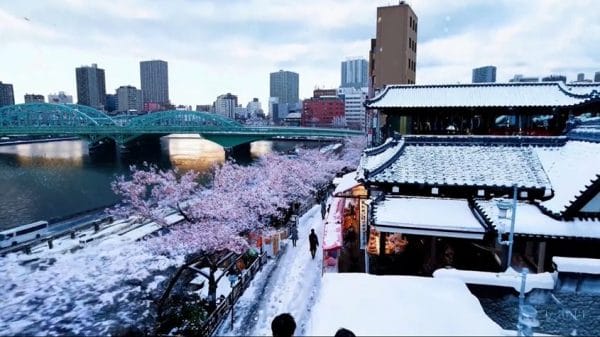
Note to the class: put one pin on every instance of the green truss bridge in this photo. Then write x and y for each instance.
(94, 125)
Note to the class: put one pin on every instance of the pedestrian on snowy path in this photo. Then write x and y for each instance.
(294, 235)
(323, 209)
(314, 242)
(342, 332)
(283, 325)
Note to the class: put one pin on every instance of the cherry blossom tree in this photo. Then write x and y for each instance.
(238, 200)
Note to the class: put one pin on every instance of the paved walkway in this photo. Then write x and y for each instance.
(288, 283)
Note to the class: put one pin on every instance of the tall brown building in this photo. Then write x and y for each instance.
(392, 59)
(393, 54)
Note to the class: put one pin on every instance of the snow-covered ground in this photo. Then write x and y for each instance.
(366, 304)
(90, 291)
(398, 306)
(289, 283)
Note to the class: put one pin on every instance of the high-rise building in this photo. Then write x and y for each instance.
(354, 108)
(285, 86)
(112, 102)
(225, 105)
(393, 54)
(485, 74)
(129, 99)
(597, 76)
(254, 108)
(154, 78)
(7, 95)
(555, 78)
(355, 73)
(34, 98)
(91, 88)
(60, 98)
(580, 77)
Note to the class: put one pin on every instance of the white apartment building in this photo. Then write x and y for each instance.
(354, 108)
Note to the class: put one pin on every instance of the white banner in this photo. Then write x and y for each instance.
(364, 219)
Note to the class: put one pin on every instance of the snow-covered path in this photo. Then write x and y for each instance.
(288, 284)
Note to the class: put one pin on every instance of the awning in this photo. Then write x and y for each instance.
(428, 216)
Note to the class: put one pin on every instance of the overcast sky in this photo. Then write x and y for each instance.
(215, 47)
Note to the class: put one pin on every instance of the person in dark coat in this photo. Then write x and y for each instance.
(294, 235)
(342, 332)
(283, 325)
(323, 209)
(314, 242)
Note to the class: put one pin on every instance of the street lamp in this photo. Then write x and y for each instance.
(503, 207)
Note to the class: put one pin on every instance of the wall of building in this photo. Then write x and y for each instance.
(393, 53)
(323, 112)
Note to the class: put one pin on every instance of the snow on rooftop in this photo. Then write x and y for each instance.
(466, 165)
(475, 95)
(375, 157)
(347, 182)
(371, 305)
(451, 217)
(530, 220)
(510, 278)
(576, 265)
(583, 88)
(570, 168)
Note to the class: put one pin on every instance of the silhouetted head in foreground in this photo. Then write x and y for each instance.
(344, 333)
(283, 325)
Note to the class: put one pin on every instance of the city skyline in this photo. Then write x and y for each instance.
(208, 60)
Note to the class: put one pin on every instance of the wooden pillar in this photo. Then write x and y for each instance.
(541, 259)
(432, 249)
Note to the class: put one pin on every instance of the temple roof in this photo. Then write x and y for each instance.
(563, 174)
(538, 94)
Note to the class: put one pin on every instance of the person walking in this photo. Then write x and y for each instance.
(294, 234)
(314, 242)
(283, 325)
(323, 209)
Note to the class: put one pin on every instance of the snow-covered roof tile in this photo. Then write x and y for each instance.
(530, 220)
(571, 168)
(479, 95)
(345, 183)
(446, 217)
(374, 158)
(583, 88)
(478, 165)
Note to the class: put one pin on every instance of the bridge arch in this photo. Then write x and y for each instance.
(51, 117)
(183, 119)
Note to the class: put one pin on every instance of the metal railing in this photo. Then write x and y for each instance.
(215, 319)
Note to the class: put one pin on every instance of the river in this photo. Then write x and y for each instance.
(51, 180)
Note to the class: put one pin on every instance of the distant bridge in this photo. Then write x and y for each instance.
(94, 125)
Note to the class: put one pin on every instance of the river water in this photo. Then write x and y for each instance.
(51, 180)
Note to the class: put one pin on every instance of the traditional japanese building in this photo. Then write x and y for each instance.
(449, 201)
(540, 108)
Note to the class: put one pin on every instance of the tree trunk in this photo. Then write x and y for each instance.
(212, 289)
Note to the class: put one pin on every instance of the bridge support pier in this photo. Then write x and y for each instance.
(239, 151)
